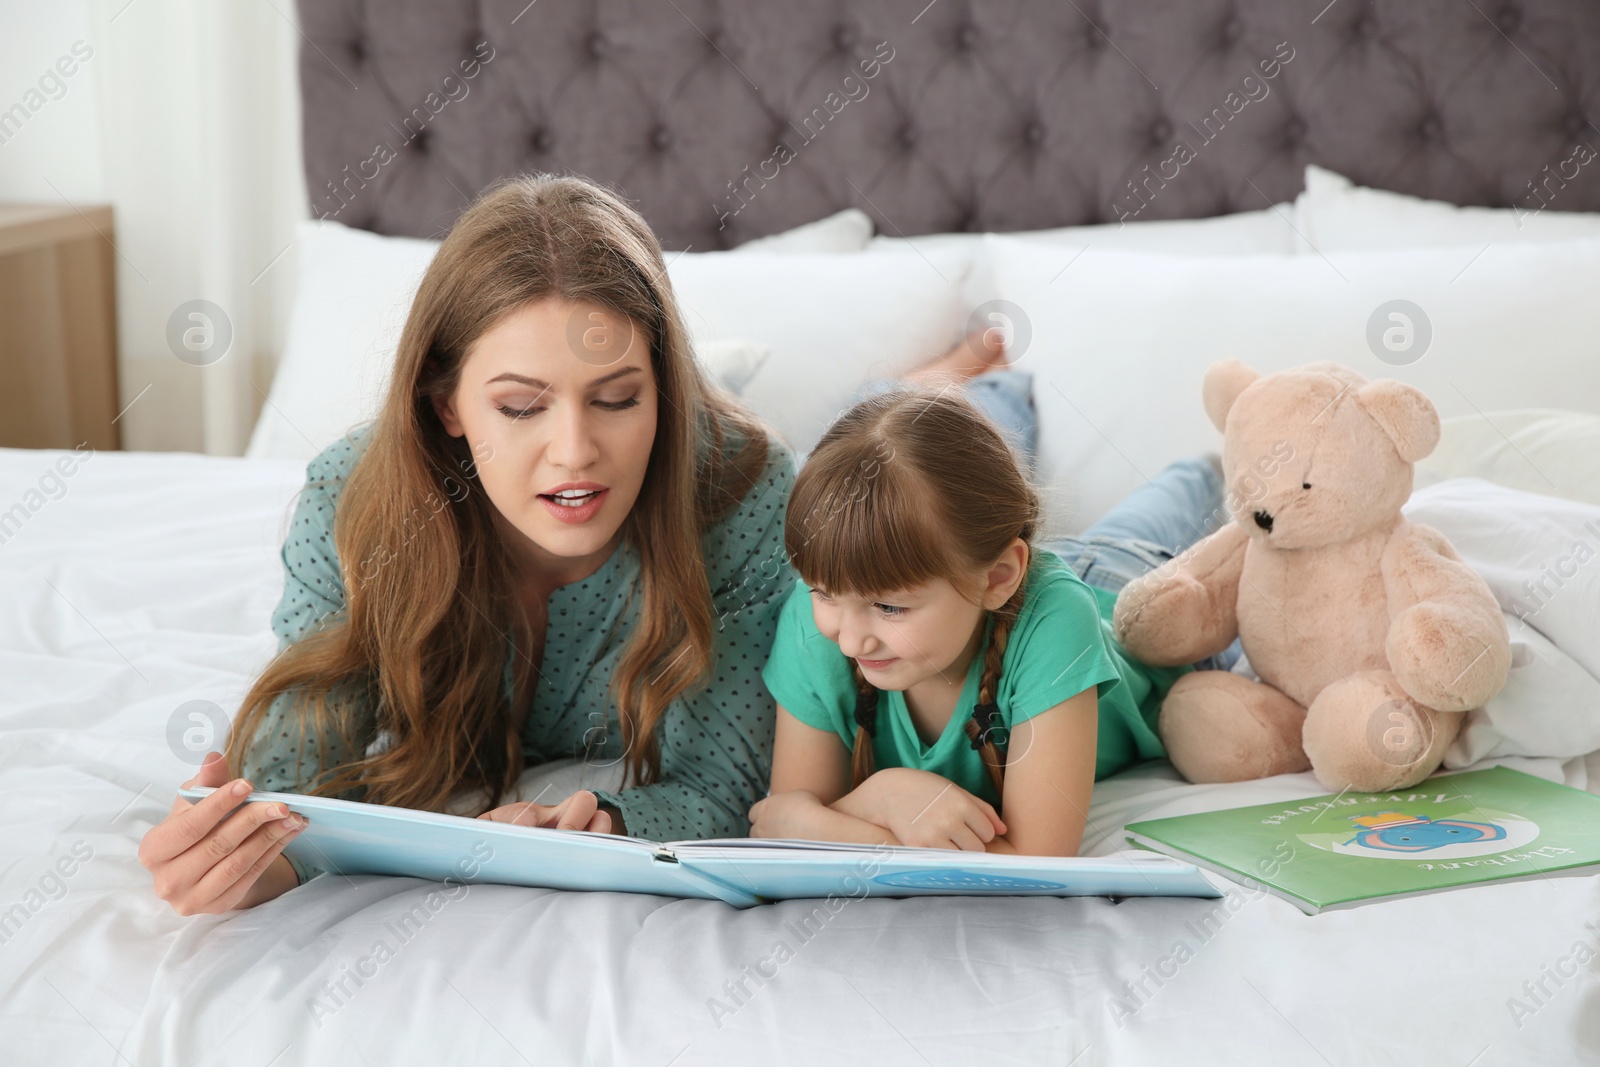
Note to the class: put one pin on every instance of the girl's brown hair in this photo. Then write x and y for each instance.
(904, 488)
(423, 636)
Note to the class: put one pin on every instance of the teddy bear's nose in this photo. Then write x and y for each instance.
(1264, 520)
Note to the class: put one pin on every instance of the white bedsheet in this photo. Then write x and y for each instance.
(150, 582)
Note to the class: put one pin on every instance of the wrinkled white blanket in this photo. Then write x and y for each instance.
(141, 583)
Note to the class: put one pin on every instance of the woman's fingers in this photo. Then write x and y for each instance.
(522, 813)
(213, 772)
(241, 889)
(576, 812)
(580, 811)
(220, 856)
(188, 823)
(229, 880)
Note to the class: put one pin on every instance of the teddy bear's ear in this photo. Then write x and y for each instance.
(1225, 380)
(1405, 414)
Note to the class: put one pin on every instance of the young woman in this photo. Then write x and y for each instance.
(557, 539)
(940, 680)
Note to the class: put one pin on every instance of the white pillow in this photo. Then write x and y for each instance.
(1334, 214)
(1243, 233)
(832, 322)
(733, 361)
(1541, 558)
(351, 300)
(1121, 340)
(1540, 450)
(352, 297)
(845, 231)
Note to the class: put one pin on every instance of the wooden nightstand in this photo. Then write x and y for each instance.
(58, 327)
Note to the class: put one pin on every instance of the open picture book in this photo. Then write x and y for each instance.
(349, 838)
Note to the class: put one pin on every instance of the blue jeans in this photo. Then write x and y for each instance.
(1151, 525)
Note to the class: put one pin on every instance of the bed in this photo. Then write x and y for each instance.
(1002, 142)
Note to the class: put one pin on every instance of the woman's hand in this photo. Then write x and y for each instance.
(924, 810)
(216, 854)
(580, 811)
(784, 814)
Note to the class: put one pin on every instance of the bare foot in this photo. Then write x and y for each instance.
(979, 351)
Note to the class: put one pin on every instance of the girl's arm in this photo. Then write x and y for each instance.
(804, 757)
(811, 798)
(800, 814)
(810, 772)
(1050, 779)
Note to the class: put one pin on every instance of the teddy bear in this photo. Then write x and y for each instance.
(1368, 632)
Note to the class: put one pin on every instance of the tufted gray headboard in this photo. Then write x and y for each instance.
(725, 120)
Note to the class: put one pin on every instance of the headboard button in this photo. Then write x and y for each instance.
(967, 37)
(358, 50)
(1160, 131)
(1508, 18)
(540, 140)
(1576, 124)
(1294, 131)
(1033, 133)
(908, 138)
(844, 37)
(1430, 129)
(1232, 30)
(661, 138)
(598, 47)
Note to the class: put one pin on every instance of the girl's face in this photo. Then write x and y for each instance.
(931, 631)
(560, 397)
(903, 638)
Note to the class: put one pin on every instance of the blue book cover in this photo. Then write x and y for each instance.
(350, 837)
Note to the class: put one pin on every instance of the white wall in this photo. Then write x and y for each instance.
(58, 144)
(185, 118)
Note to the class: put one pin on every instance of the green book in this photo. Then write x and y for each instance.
(1340, 851)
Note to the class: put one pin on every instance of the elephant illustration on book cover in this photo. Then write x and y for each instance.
(1394, 831)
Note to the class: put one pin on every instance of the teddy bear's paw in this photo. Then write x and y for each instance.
(1222, 727)
(1166, 618)
(1448, 657)
(1365, 732)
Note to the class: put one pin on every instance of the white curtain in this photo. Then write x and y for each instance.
(200, 134)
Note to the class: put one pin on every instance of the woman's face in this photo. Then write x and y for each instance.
(561, 399)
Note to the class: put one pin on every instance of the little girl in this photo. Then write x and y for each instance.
(934, 668)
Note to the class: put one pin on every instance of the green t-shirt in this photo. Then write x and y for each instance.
(1060, 645)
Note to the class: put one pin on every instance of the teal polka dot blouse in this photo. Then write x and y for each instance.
(715, 743)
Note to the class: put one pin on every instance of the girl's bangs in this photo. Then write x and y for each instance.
(848, 532)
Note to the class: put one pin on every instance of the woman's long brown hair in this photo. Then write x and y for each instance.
(424, 636)
(906, 487)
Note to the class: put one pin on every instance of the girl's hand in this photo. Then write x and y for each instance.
(924, 810)
(783, 814)
(580, 811)
(218, 853)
